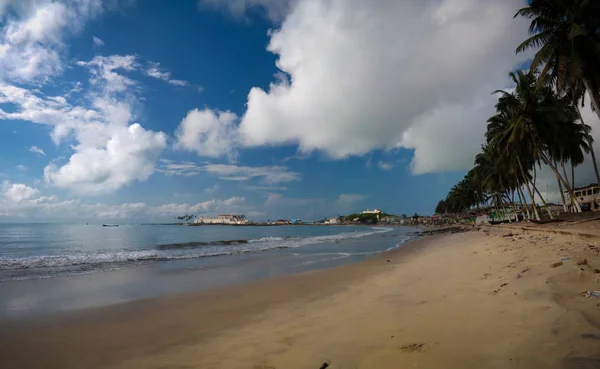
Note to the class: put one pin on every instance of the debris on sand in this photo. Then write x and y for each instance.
(557, 264)
(413, 347)
(582, 261)
(589, 294)
(325, 365)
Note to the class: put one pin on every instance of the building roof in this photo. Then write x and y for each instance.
(590, 186)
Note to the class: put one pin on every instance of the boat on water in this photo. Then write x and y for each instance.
(110, 225)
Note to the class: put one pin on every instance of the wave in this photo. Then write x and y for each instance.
(183, 245)
(41, 266)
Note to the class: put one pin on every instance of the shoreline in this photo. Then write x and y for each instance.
(454, 301)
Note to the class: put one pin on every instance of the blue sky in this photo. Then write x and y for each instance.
(299, 109)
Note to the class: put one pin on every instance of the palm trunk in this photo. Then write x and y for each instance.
(539, 194)
(568, 186)
(521, 204)
(512, 203)
(572, 176)
(570, 190)
(560, 188)
(537, 216)
(562, 195)
(543, 201)
(590, 144)
(522, 196)
(593, 96)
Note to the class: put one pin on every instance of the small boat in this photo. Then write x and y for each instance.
(110, 225)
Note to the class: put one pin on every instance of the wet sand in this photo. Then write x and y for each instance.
(469, 300)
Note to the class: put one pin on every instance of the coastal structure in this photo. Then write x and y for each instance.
(374, 211)
(229, 219)
(333, 221)
(588, 197)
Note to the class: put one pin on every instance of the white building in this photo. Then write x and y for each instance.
(588, 197)
(333, 221)
(374, 211)
(222, 219)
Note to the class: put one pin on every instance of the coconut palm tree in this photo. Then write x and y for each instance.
(538, 127)
(567, 33)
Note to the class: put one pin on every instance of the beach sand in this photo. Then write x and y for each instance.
(481, 299)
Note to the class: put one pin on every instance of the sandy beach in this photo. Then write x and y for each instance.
(487, 298)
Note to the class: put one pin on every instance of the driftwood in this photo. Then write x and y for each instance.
(325, 365)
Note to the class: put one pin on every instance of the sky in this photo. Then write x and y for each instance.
(147, 110)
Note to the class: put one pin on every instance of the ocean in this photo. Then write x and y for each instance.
(55, 267)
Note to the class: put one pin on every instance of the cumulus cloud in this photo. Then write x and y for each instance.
(208, 133)
(359, 76)
(110, 150)
(37, 150)
(129, 155)
(21, 168)
(31, 38)
(20, 200)
(97, 41)
(16, 192)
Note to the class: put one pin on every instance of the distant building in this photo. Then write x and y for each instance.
(296, 221)
(374, 211)
(333, 221)
(588, 197)
(222, 219)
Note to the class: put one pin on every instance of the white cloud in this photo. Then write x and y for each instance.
(211, 189)
(178, 82)
(111, 150)
(19, 200)
(270, 174)
(97, 41)
(274, 9)
(129, 154)
(200, 89)
(31, 38)
(21, 168)
(105, 72)
(273, 174)
(381, 74)
(183, 168)
(155, 71)
(208, 133)
(37, 150)
(16, 192)
(384, 165)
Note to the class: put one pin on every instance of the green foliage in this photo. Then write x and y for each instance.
(532, 125)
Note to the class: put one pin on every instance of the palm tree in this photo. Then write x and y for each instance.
(441, 207)
(567, 33)
(537, 127)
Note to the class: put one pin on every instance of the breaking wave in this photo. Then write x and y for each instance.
(45, 266)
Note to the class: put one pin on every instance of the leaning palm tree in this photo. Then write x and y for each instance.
(537, 127)
(567, 33)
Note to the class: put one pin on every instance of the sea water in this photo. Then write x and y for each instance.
(54, 267)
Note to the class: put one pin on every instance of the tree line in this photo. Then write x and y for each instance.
(539, 123)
